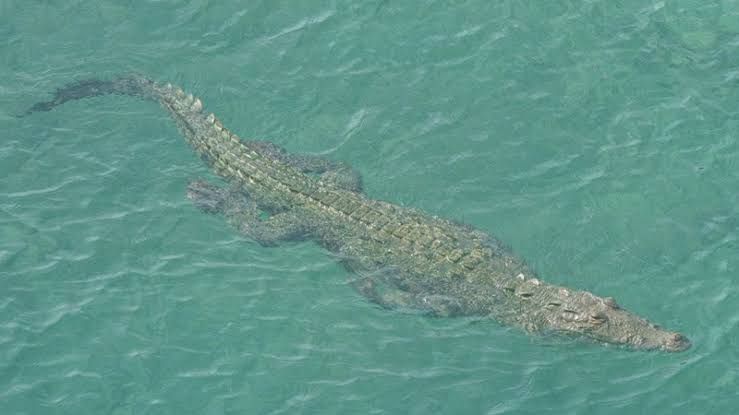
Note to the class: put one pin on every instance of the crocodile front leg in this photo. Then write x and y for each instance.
(334, 172)
(398, 299)
(243, 214)
(390, 287)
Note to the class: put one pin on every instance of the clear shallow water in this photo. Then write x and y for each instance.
(598, 140)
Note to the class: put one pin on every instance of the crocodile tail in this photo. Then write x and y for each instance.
(203, 132)
(133, 85)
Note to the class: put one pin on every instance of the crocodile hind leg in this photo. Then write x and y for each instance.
(243, 214)
(337, 173)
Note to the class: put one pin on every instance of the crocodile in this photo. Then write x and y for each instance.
(401, 257)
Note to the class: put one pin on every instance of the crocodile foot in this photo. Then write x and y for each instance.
(398, 299)
(207, 197)
(243, 214)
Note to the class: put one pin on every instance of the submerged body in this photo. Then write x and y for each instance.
(403, 258)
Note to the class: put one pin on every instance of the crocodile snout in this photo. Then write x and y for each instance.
(676, 342)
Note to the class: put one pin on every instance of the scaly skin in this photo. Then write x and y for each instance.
(404, 257)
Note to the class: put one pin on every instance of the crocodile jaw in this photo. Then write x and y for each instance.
(601, 319)
(627, 329)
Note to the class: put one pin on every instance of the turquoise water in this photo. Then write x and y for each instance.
(597, 138)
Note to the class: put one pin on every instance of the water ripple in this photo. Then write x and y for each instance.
(598, 140)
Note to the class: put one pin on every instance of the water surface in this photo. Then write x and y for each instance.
(597, 138)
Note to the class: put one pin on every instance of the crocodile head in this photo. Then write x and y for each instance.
(601, 319)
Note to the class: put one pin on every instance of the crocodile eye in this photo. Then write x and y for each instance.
(610, 302)
(525, 294)
(570, 315)
(598, 318)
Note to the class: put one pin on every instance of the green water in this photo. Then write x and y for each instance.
(597, 138)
